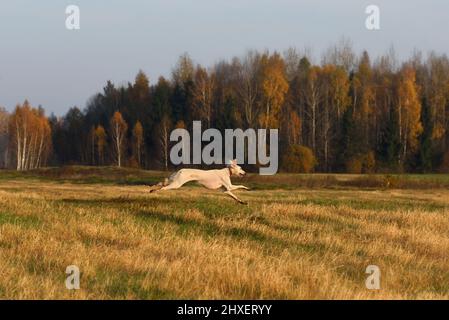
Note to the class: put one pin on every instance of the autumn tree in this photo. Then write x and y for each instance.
(298, 159)
(363, 102)
(274, 88)
(138, 142)
(312, 94)
(141, 86)
(334, 84)
(292, 127)
(100, 140)
(296, 96)
(118, 128)
(409, 112)
(30, 137)
(363, 88)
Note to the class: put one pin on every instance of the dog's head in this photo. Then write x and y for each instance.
(235, 169)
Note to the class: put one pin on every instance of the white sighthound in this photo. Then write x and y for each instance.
(211, 179)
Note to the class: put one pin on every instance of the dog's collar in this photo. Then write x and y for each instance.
(229, 170)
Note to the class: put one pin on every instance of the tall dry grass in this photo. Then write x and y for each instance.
(295, 244)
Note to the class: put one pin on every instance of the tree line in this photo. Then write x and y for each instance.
(347, 113)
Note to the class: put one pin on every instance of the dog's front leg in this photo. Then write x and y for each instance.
(228, 192)
(239, 187)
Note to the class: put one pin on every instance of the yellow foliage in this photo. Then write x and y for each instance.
(369, 163)
(354, 165)
(299, 159)
(274, 87)
(30, 136)
(361, 163)
(438, 131)
(409, 109)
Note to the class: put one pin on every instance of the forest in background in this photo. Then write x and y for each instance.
(348, 113)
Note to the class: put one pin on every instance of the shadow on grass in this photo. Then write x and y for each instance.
(123, 200)
(209, 229)
(376, 205)
(391, 204)
(118, 284)
(19, 220)
(207, 205)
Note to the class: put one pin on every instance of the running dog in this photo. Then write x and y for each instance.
(211, 179)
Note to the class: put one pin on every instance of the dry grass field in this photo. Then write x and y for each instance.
(300, 237)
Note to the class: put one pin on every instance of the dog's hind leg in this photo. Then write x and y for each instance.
(233, 187)
(173, 185)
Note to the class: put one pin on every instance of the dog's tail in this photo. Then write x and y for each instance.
(158, 186)
(155, 187)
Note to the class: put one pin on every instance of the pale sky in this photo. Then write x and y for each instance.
(57, 68)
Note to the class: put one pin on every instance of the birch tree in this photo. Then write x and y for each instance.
(249, 88)
(30, 137)
(118, 132)
(203, 95)
(164, 138)
(409, 112)
(334, 84)
(313, 96)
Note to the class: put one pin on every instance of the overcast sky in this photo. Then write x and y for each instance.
(57, 68)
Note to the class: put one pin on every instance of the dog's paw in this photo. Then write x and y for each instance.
(243, 202)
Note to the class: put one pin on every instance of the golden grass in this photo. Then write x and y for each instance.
(193, 243)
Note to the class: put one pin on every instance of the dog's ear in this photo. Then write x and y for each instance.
(233, 162)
